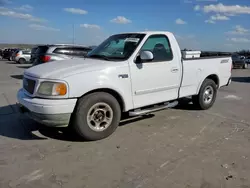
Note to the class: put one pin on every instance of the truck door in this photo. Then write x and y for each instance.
(158, 80)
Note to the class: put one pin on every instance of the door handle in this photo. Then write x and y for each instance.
(174, 70)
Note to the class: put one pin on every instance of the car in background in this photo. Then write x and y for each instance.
(247, 60)
(92, 47)
(23, 56)
(239, 61)
(7, 53)
(33, 53)
(13, 56)
(1, 53)
(57, 52)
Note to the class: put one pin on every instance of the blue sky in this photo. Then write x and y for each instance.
(197, 24)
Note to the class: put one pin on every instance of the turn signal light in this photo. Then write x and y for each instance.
(60, 89)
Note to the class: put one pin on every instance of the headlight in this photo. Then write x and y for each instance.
(52, 89)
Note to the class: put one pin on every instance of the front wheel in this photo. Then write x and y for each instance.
(22, 61)
(207, 95)
(96, 116)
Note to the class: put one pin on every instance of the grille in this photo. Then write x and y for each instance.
(238, 62)
(29, 85)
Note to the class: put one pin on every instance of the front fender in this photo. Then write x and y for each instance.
(83, 83)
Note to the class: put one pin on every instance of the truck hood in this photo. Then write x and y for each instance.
(65, 68)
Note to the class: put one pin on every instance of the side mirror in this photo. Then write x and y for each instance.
(146, 55)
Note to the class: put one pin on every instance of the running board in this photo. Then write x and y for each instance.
(140, 112)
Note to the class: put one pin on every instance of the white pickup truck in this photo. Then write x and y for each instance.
(136, 73)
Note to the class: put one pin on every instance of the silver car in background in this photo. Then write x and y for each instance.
(57, 52)
(23, 56)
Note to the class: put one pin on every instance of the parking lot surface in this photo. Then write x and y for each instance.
(180, 147)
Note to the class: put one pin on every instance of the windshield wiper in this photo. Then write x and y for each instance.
(99, 56)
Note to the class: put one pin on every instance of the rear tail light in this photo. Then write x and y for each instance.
(45, 58)
(17, 54)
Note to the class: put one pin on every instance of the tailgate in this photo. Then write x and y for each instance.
(225, 70)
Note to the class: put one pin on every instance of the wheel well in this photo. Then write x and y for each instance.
(111, 92)
(214, 78)
(21, 58)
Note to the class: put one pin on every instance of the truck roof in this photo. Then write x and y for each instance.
(149, 32)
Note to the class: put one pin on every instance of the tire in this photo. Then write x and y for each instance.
(92, 106)
(21, 61)
(245, 66)
(199, 100)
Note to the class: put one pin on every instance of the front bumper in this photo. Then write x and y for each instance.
(238, 65)
(50, 112)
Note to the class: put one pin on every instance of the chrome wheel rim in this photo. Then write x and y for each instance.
(208, 95)
(99, 117)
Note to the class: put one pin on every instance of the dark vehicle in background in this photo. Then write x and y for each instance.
(33, 54)
(92, 47)
(57, 52)
(1, 53)
(239, 61)
(247, 60)
(7, 53)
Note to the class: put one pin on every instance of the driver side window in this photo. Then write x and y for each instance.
(160, 47)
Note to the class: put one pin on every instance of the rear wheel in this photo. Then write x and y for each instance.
(207, 95)
(96, 116)
(22, 61)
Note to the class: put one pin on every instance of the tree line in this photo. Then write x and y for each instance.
(244, 52)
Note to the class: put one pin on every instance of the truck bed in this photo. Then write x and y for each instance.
(196, 70)
(212, 54)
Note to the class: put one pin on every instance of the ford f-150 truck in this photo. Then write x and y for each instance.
(137, 73)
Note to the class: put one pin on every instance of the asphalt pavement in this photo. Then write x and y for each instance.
(177, 148)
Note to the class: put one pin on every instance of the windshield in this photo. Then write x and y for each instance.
(117, 47)
(235, 57)
(42, 49)
(33, 50)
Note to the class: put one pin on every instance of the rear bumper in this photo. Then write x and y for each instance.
(229, 81)
(54, 113)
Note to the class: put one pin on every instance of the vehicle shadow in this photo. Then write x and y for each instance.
(241, 79)
(18, 126)
(186, 104)
(18, 77)
(10, 62)
(67, 134)
(24, 67)
(12, 125)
